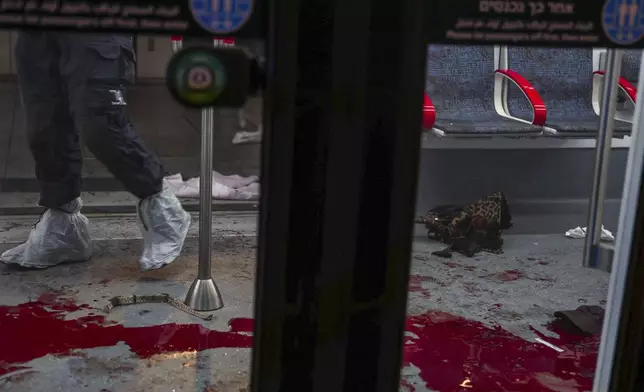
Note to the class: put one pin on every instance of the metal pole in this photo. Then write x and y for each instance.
(205, 195)
(205, 189)
(603, 148)
(204, 294)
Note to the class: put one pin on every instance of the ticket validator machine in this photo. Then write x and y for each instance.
(198, 77)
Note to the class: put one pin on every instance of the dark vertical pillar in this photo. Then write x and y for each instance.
(339, 171)
(625, 325)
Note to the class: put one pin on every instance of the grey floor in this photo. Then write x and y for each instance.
(170, 129)
(517, 291)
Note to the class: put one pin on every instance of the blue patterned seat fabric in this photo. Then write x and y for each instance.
(631, 72)
(631, 65)
(563, 77)
(460, 82)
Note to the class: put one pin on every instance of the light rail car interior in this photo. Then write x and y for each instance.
(508, 130)
(522, 122)
(169, 128)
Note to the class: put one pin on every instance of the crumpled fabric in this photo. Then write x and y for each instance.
(232, 187)
(164, 225)
(61, 235)
(248, 137)
(580, 232)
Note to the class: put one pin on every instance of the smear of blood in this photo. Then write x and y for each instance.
(510, 275)
(416, 285)
(453, 354)
(241, 325)
(35, 329)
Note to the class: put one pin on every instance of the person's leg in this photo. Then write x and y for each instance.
(53, 141)
(62, 233)
(96, 69)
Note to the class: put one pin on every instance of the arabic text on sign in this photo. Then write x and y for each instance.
(89, 8)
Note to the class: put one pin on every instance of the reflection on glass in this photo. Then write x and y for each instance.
(100, 198)
(499, 298)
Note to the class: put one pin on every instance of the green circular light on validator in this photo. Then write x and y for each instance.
(196, 77)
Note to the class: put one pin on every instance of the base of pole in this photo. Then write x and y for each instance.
(204, 296)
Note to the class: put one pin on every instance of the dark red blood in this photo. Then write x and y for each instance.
(416, 285)
(511, 275)
(241, 324)
(448, 350)
(35, 329)
(10, 369)
(451, 352)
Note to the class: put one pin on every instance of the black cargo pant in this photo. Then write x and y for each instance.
(73, 89)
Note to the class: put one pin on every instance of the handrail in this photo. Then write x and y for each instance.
(429, 112)
(603, 150)
(501, 76)
(624, 84)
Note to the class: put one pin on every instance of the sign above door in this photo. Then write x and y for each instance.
(239, 18)
(600, 23)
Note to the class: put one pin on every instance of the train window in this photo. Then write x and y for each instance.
(499, 295)
(128, 219)
(100, 179)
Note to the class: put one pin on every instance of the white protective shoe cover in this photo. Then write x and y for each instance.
(164, 225)
(60, 236)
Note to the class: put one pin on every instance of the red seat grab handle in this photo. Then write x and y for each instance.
(627, 86)
(539, 107)
(429, 112)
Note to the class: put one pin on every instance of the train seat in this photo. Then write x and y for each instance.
(627, 93)
(460, 82)
(631, 65)
(564, 78)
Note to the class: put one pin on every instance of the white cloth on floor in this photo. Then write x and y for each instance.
(223, 187)
(579, 232)
(245, 137)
